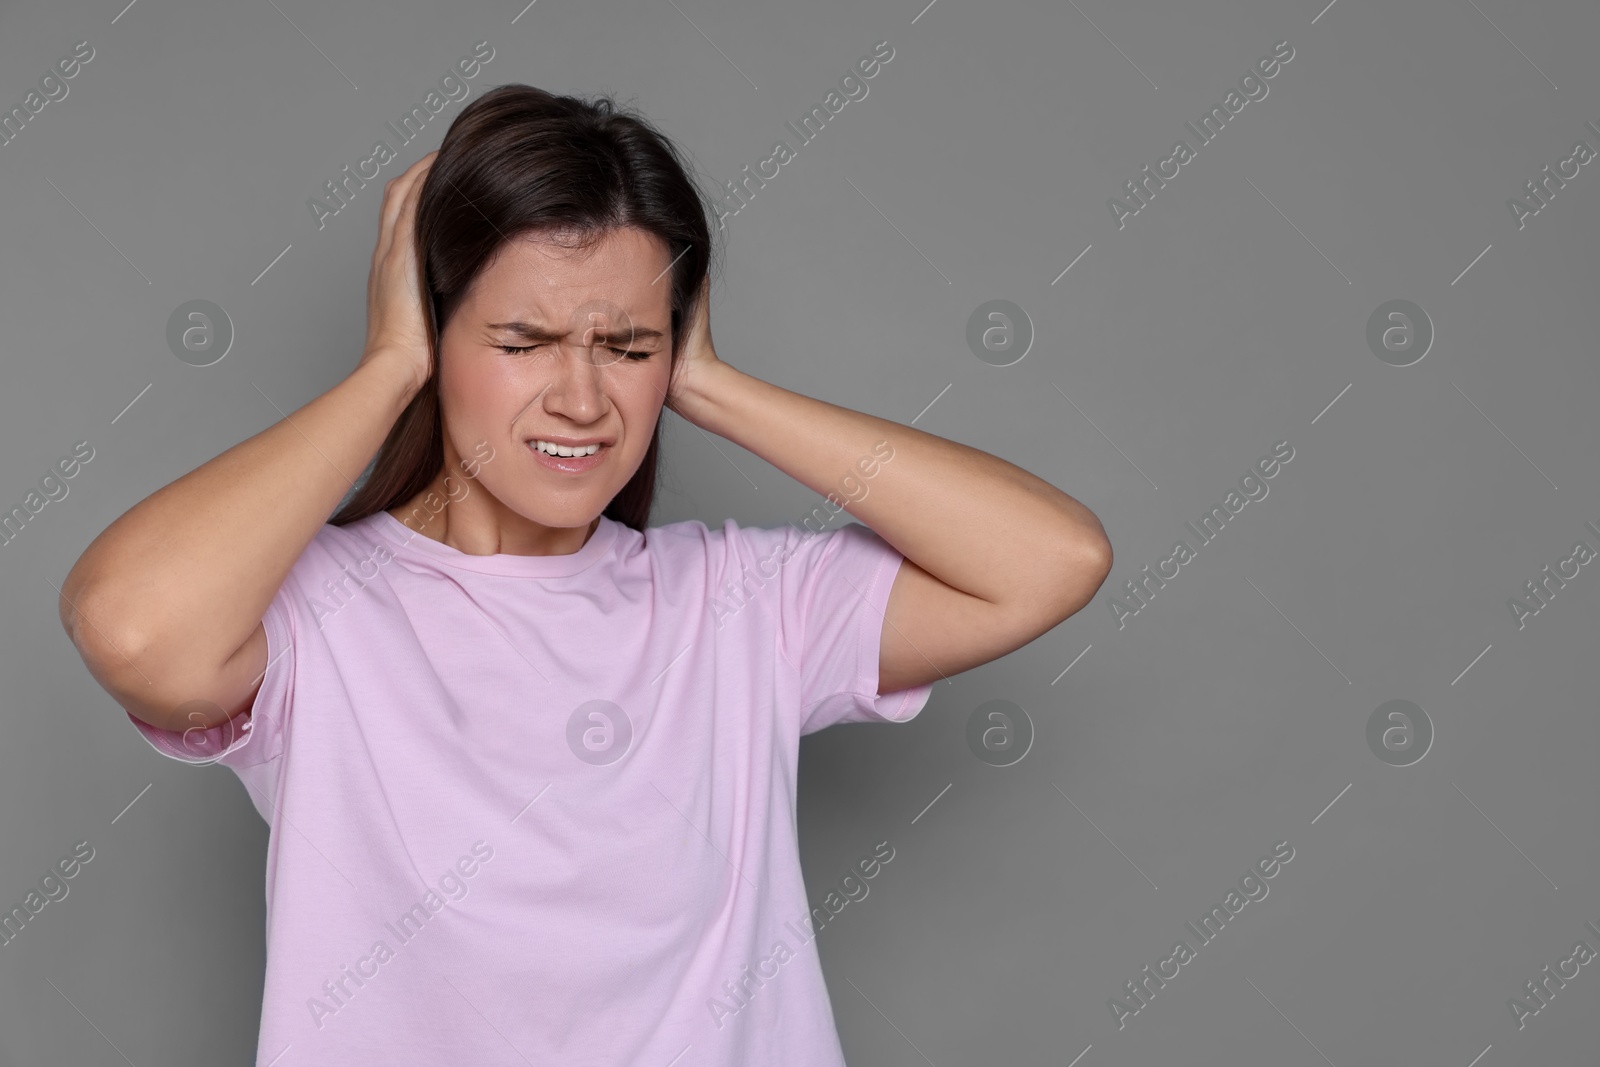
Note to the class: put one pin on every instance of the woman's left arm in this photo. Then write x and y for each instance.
(995, 556)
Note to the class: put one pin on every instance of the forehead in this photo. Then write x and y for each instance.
(548, 277)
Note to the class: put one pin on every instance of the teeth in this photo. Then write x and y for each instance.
(563, 450)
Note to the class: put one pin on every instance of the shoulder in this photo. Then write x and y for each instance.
(363, 539)
(691, 536)
(711, 552)
(359, 549)
(721, 540)
(803, 551)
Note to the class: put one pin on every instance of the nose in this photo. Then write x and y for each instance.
(575, 388)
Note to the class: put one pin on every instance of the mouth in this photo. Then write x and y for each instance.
(578, 458)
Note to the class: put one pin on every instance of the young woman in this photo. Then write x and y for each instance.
(529, 766)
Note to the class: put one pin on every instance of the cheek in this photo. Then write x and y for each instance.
(472, 394)
(642, 397)
(662, 383)
(624, 380)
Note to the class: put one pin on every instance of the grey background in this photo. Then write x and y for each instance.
(1228, 315)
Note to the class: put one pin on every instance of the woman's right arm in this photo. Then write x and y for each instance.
(165, 606)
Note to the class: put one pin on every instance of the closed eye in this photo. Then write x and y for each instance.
(514, 351)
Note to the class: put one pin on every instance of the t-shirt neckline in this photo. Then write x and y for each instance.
(408, 542)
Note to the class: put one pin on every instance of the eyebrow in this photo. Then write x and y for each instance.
(530, 332)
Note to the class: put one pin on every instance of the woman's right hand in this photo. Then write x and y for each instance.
(396, 325)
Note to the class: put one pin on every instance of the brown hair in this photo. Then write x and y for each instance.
(519, 161)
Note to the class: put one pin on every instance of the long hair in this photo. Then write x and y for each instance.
(520, 161)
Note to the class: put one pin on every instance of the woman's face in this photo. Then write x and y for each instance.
(573, 313)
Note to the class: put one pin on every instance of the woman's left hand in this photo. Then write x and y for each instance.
(698, 358)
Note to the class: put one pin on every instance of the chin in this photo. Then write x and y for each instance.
(570, 514)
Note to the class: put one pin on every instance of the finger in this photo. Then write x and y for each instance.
(405, 227)
(397, 199)
(387, 214)
(411, 174)
(415, 174)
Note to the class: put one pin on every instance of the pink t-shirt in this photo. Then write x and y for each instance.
(541, 809)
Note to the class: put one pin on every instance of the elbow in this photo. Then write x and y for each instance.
(112, 654)
(1087, 570)
(1099, 553)
(123, 672)
(1089, 552)
(90, 613)
(72, 607)
(1090, 558)
(1097, 571)
(90, 620)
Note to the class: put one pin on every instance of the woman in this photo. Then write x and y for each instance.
(529, 766)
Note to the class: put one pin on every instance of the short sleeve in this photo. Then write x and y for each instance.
(832, 590)
(252, 737)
